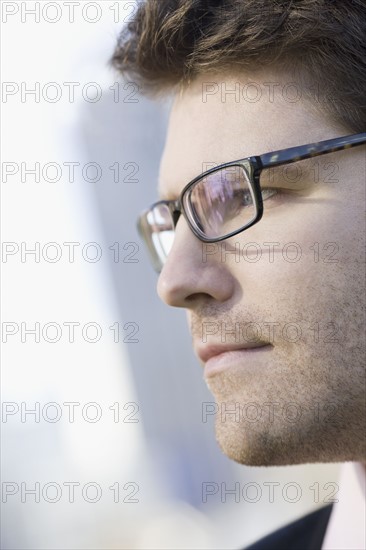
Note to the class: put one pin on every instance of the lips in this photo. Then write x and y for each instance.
(249, 357)
(205, 353)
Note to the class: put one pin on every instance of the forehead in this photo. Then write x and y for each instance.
(220, 118)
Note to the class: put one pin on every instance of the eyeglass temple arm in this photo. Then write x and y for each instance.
(293, 154)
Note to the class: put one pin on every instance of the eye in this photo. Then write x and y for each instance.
(244, 198)
(239, 199)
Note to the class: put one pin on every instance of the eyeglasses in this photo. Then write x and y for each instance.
(225, 200)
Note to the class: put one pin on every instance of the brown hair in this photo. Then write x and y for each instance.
(322, 42)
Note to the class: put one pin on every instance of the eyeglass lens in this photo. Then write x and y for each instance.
(221, 202)
(161, 226)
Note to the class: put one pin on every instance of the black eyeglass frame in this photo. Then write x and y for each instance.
(253, 166)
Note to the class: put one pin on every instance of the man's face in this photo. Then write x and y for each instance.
(282, 302)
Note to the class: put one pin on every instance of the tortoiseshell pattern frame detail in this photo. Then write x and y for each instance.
(294, 154)
(253, 167)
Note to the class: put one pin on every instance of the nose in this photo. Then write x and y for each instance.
(188, 276)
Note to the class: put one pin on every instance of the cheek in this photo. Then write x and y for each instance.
(301, 257)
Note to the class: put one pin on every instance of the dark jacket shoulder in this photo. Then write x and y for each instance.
(306, 533)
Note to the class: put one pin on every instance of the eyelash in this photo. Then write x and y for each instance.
(272, 192)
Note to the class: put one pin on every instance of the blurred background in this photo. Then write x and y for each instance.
(104, 441)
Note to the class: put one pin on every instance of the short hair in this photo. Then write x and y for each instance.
(320, 42)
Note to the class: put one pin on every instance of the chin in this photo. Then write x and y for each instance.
(262, 446)
(252, 448)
